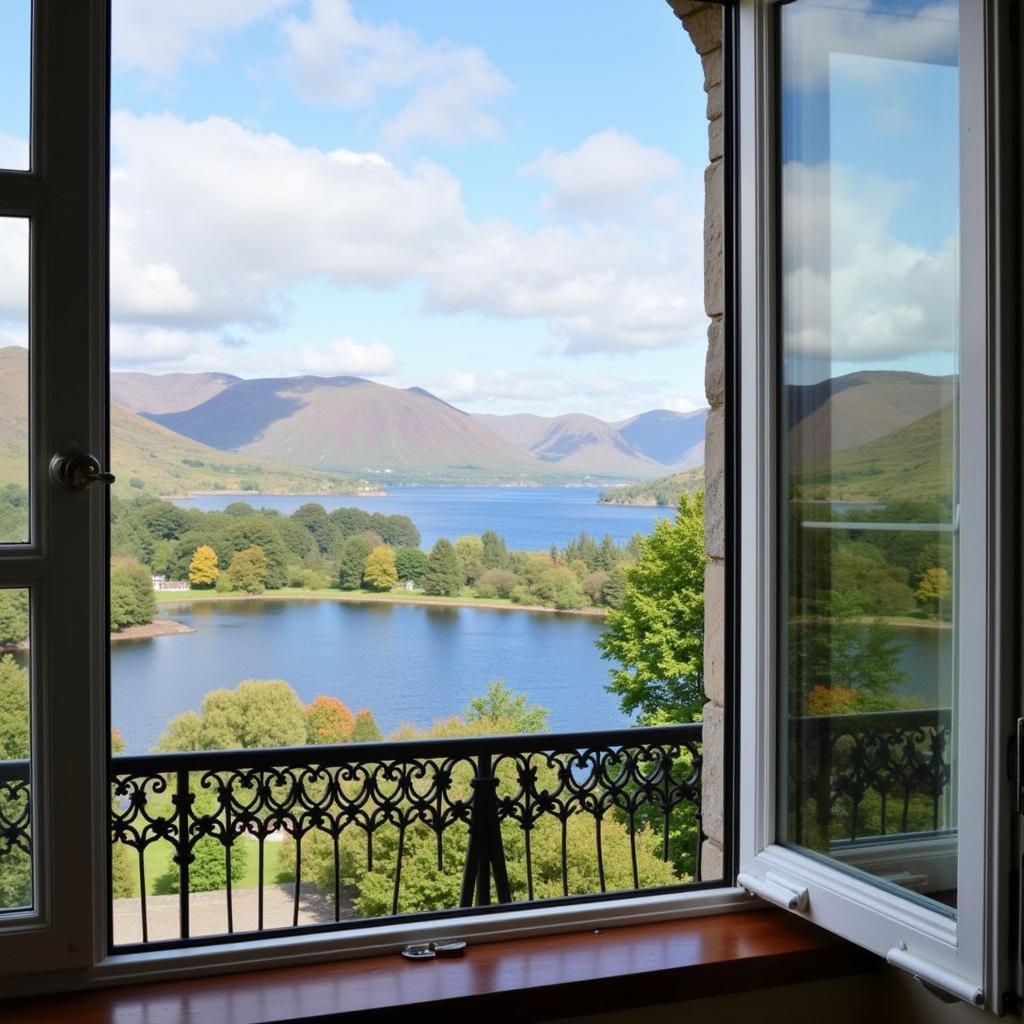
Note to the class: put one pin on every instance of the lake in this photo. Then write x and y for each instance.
(529, 518)
(406, 663)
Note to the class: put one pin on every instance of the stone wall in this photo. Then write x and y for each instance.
(703, 23)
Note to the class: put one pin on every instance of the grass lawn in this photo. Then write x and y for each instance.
(165, 597)
(161, 869)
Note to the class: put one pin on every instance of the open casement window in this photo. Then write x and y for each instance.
(874, 716)
(52, 591)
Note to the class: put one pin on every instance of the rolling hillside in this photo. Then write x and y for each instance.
(166, 392)
(664, 492)
(913, 463)
(148, 458)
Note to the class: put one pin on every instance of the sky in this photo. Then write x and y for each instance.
(499, 201)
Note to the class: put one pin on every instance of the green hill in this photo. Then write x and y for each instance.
(913, 463)
(665, 491)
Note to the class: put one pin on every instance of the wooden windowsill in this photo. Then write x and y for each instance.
(522, 979)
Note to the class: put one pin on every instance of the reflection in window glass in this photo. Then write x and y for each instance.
(15, 746)
(14, 247)
(869, 375)
(15, 85)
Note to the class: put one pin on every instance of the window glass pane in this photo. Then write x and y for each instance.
(869, 322)
(15, 84)
(14, 247)
(15, 744)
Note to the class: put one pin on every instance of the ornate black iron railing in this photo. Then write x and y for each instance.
(488, 803)
(15, 809)
(866, 776)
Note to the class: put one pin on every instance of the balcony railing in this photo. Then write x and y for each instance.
(449, 824)
(487, 804)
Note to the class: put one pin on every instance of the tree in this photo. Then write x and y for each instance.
(657, 636)
(444, 575)
(366, 729)
(132, 601)
(204, 568)
(496, 583)
(354, 553)
(313, 517)
(495, 551)
(248, 571)
(328, 720)
(934, 590)
(259, 531)
(509, 709)
(411, 564)
(257, 713)
(380, 572)
(14, 713)
(470, 551)
(13, 617)
(398, 531)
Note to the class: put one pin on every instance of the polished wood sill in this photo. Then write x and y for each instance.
(525, 980)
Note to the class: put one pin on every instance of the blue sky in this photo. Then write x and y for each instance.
(499, 201)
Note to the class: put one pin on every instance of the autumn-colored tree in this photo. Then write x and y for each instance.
(328, 720)
(934, 590)
(248, 571)
(204, 567)
(380, 572)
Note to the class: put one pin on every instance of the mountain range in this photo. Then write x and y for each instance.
(356, 426)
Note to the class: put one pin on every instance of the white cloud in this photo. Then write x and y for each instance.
(14, 269)
(346, 357)
(852, 290)
(334, 57)
(212, 223)
(607, 174)
(157, 36)
(14, 154)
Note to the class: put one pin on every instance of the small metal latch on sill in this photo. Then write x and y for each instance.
(775, 890)
(445, 950)
(942, 983)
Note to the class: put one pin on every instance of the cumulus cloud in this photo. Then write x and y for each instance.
(157, 37)
(212, 223)
(14, 269)
(335, 57)
(853, 291)
(607, 174)
(346, 357)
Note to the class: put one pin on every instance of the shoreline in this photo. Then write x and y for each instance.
(364, 597)
(158, 627)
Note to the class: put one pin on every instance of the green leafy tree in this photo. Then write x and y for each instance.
(495, 550)
(258, 531)
(313, 517)
(204, 568)
(934, 590)
(380, 573)
(470, 552)
(496, 583)
(444, 574)
(354, 553)
(14, 710)
(411, 564)
(657, 636)
(398, 531)
(248, 571)
(132, 601)
(257, 713)
(13, 617)
(509, 709)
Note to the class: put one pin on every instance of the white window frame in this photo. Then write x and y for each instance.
(64, 945)
(965, 956)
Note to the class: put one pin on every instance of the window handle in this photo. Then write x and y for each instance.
(77, 470)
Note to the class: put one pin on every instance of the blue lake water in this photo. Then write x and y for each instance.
(529, 518)
(406, 663)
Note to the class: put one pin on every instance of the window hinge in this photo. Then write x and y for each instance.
(775, 890)
(940, 982)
